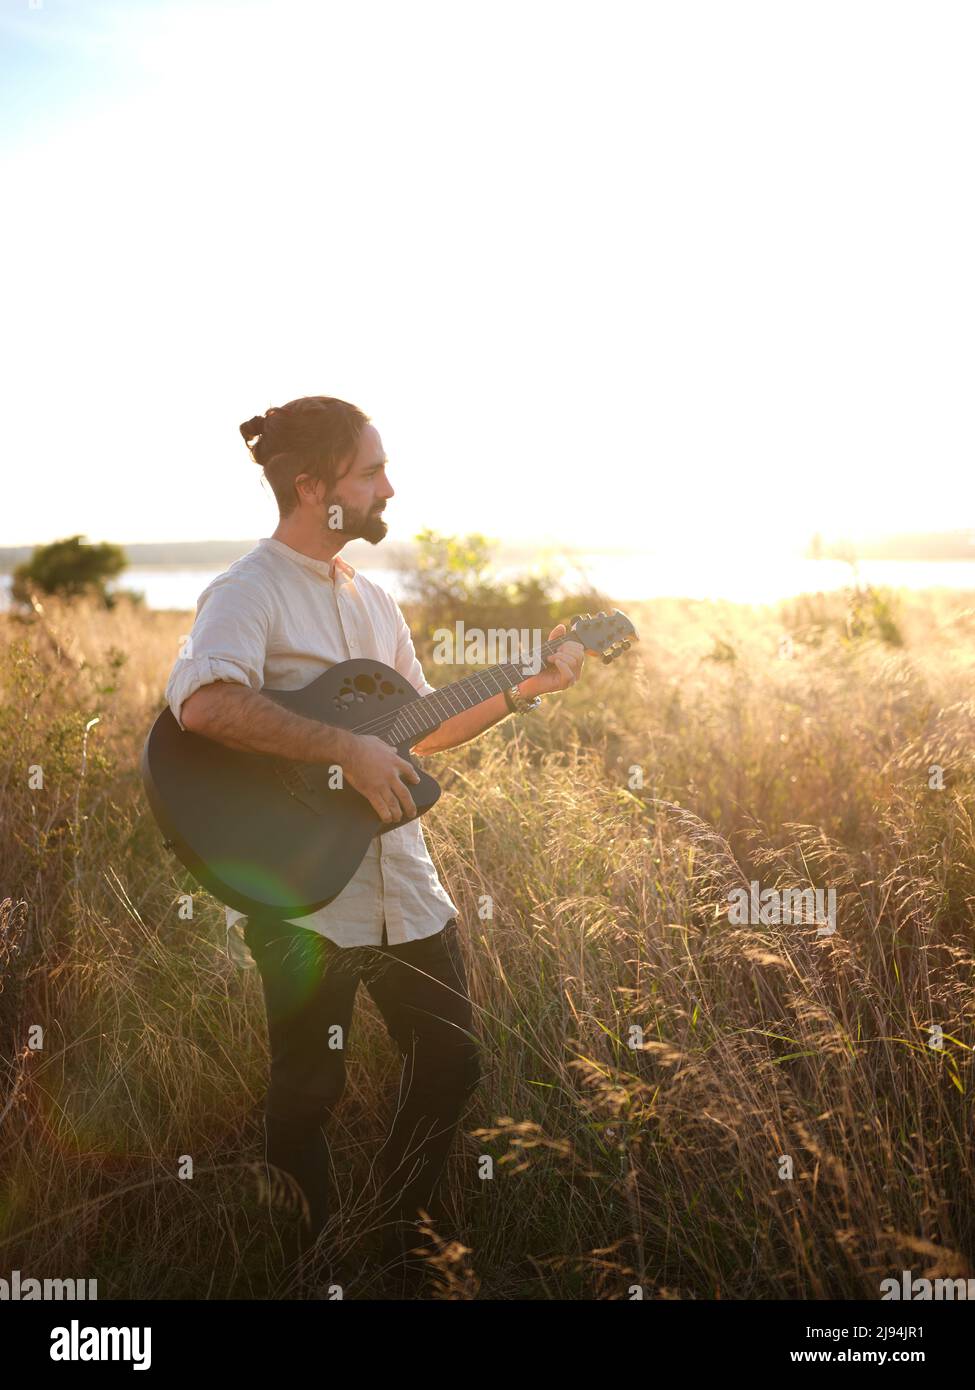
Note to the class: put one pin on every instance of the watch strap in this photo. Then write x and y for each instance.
(518, 703)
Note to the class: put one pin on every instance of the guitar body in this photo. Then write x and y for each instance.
(271, 836)
(263, 834)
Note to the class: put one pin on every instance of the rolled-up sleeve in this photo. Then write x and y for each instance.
(228, 641)
(407, 662)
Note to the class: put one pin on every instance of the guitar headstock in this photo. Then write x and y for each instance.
(607, 634)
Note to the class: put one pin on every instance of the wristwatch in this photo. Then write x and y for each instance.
(518, 703)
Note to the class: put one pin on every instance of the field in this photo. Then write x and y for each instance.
(672, 1100)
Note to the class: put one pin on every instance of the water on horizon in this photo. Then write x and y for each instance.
(754, 579)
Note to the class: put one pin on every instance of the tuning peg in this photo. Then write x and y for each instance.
(626, 644)
(576, 618)
(607, 658)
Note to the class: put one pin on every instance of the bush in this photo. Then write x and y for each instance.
(70, 567)
(451, 579)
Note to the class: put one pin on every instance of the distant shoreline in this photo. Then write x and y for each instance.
(389, 555)
(946, 546)
(620, 578)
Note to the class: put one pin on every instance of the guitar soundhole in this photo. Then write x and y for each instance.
(355, 689)
(353, 692)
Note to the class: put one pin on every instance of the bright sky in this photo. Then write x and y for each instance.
(602, 274)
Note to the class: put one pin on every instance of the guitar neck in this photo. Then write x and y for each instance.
(420, 717)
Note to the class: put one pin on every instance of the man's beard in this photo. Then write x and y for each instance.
(367, 525)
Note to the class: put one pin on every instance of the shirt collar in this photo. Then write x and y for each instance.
(335, 570)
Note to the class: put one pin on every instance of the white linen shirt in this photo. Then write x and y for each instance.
(280, 618)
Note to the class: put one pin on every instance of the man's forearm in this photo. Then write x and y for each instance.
(242, 718)
(461, 728)
(560, 671)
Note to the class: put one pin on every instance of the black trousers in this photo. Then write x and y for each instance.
(420, 988)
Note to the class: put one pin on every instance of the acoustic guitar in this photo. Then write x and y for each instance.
(281, 838)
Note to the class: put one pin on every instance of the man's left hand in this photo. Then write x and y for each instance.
(562, 669)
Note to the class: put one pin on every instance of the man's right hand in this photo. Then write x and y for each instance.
(374, 769)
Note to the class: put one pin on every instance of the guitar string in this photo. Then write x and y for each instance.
(411, 710)
(506, 669)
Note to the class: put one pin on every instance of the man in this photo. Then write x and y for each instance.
(281, 615)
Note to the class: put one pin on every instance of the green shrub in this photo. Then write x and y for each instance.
(70, 568)
(451, 580)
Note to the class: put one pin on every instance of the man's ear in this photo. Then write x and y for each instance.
(309, 487)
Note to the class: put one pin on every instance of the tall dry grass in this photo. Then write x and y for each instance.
(616, 1165)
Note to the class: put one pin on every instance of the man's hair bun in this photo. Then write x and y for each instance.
(252, 427)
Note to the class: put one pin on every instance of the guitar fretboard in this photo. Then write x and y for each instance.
(420, 717)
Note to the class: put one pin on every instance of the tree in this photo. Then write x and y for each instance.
(449, 570)
(452, 577)
(69, 567)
